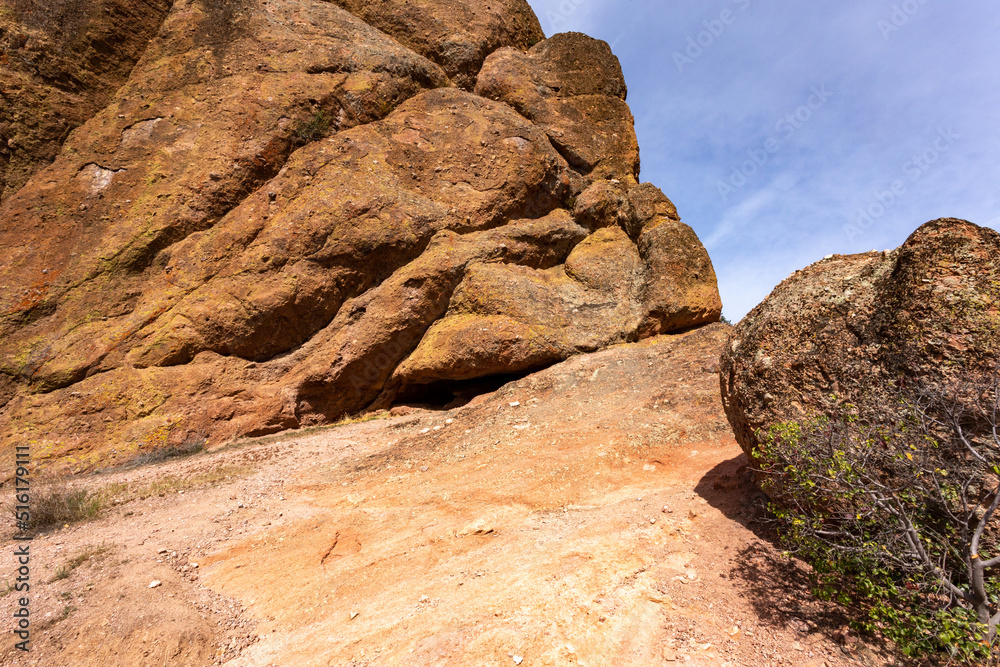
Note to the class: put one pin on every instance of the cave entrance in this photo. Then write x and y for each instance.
(449, 394)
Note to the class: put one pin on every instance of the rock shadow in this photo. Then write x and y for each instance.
(779, 586)
(451, 394)
(730, 488)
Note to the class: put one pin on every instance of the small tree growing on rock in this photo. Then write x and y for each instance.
(897, 512)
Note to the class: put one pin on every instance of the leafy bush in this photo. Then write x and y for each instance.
(897, 513)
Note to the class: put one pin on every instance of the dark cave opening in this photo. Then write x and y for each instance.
(449, 394)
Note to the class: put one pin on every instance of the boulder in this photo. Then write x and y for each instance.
(456, 35)
(603, 204)
(345, 367)
(838, 336)
(506, 318)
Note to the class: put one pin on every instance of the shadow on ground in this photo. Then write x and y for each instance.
(779, 586)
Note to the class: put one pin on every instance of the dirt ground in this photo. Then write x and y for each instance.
(595, 513)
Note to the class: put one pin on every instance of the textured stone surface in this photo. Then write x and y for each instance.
(347, 365)
(60, 63)
(603, 204)
(680, 287)
(572, 86)
(842, 330)
(287, 215)
(86, 248)
(455, 34)
(382, 191)
(506, 318)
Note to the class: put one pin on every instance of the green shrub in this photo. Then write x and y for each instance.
(317, 127)
(896, 513)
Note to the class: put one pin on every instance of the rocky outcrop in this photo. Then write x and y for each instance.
(840, 334)
(456, 35)
(60, 63)
(572, 87)
(508, 318)
(89, 251)
(286, 215)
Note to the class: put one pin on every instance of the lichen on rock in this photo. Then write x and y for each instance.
(839, 337)
(293, 211)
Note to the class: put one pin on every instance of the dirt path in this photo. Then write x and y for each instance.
(596, 513)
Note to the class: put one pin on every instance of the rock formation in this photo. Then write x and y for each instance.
(293, 210)
(60, 63)
(834, 336)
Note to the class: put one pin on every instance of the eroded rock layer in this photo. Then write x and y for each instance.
(294, 210)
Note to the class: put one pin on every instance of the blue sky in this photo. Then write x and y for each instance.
(786, 133)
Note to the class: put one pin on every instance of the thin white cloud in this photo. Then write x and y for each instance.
(740, 220)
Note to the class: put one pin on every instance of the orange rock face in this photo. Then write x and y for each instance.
(457, 35)
(292, 210)
(60, 63)
(572, 86)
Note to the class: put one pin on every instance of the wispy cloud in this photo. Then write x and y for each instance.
(742, 219)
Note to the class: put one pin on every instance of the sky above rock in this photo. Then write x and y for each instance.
(784, 133)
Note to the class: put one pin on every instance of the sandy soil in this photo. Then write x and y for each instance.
(595, 513)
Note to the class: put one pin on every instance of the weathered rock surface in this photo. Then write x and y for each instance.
(842, 330)
(572, 86)
(456, 35)
(679, 290)
(508, 318)
(60, 63)
(85, 249)
(286, 214)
